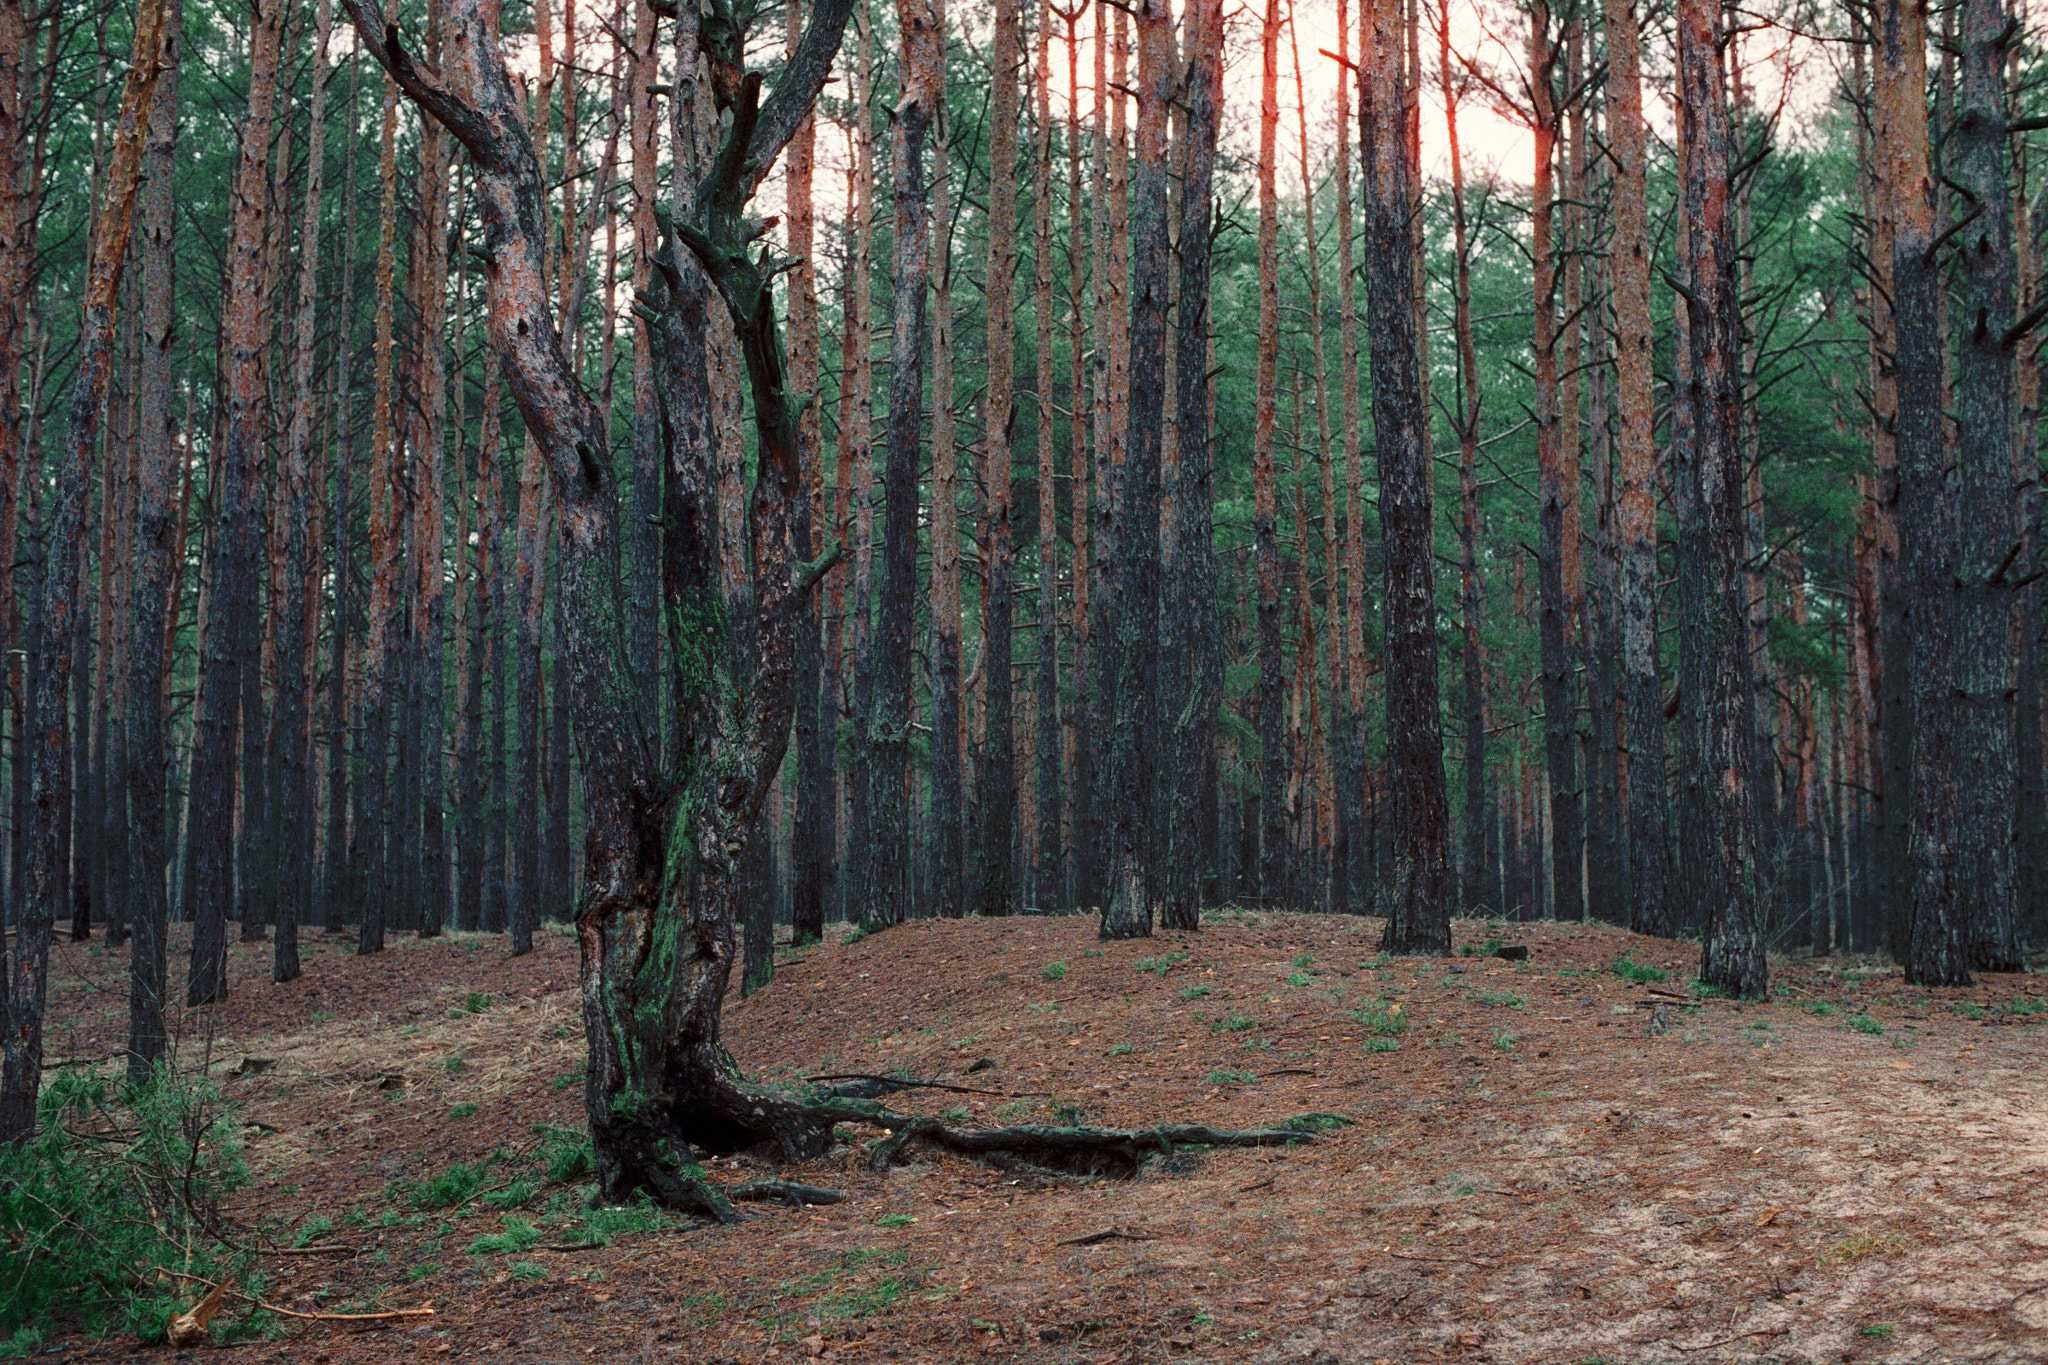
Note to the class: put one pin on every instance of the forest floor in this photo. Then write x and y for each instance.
(1559, 1159)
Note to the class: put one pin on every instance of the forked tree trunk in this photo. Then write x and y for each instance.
(657, 926)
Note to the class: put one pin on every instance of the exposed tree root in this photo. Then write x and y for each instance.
(787, 1192)
(864, 1085)
(1120, 1152)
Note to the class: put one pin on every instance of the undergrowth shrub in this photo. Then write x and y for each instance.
(113, 1203)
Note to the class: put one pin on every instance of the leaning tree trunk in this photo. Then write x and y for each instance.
(1417, 898)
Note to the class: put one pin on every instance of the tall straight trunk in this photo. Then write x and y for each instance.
(1471, 597)
(884, 894)
(2030, 815)
(26, 976)
(1132, 872)
(1351, 811)
(1644, 822)
(1557, 495)
(231, 638)
(1113, 245)
(1047, 845)
(1335, 888)
(853, 516)
(1732, 958)
(1190, 627)
(1974, 861)
(1416, 899)
(1080, 417)
(995, 777)
(337, 872)
(292, 805)
(1272, 681)
(157, 457)
(373, 877)
(947, 819)
(494, 912)
(429, 607)
(1091, 776)
(1938, 943)
(812, 857)
(17, 311)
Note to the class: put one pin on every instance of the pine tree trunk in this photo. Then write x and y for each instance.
(232, 636)
(1272, 681)
(157, 456)
(995, 777)
(813, 859)
(1044, 853)
(1190, 626)
(1978, 854)
(26, 976)
(292, 789)
(1733, 948)
(1644, 821)
(1478, 888)
(1416, 899)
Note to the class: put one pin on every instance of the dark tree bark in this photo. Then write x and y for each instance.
(1416, 898)
(157, 460)
(995, 778)
(1558, 496)
(1132, 873)
(1716, 634)
(813, 854)
(1189, 625)
(1978, 854)
(657, 924)
(231, 638)
(290, 741)
(884, 897)
(26, 975)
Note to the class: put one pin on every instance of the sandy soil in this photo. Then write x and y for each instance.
(1543, 1161)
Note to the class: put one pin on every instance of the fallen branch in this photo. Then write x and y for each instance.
(787, 1192)
(1107, 1235)
(217, 1288)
